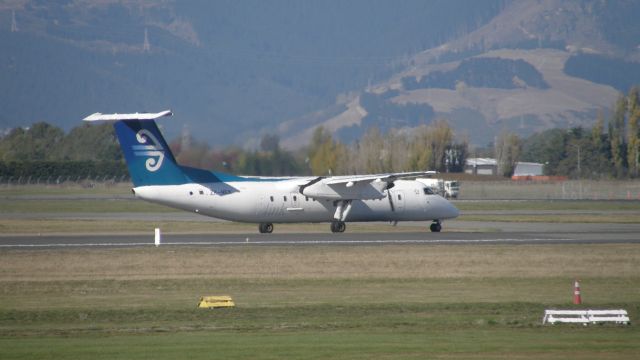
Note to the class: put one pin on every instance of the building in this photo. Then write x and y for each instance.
(481, 166)
(528, 169)
(489, 166)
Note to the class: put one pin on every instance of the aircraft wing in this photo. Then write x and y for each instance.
(351, 187)
(391, 177)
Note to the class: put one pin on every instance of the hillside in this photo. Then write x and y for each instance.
(233, 71)
(230, 70)
(536, 65)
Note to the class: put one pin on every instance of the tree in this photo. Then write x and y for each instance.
(270, 143)
(441, 140)
(507, 152)
(39, 142)
(420, 151)
(323, 152)
(616, 136)
(597, 131)
(430, 145)
(372, 152)
(396, 156)
(90, 142)
(456, 156)
(633, 143)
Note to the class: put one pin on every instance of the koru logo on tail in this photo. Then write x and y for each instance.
(150, 146)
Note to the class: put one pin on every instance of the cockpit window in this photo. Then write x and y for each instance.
(428, 191)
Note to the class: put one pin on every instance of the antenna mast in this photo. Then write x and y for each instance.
(146, 47)
(14, 25)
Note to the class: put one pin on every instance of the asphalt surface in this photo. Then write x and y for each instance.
(455, 232)
(573, 235)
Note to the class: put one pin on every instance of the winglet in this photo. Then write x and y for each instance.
(135, 116)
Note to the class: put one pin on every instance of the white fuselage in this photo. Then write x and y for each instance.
(281, 202)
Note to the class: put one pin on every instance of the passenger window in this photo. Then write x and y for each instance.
(271, 197)
(190, 192)
(295, 198)
(285, 198)
(428, 191)
(399, 197)
(201, 192)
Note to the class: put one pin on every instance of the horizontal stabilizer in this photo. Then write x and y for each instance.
(135, 116)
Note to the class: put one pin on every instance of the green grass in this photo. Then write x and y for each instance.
(480, 343)
(388, 302)
(69, 297)
(392, 302)
(66, 189)
(334, 325)
(80, 206)
(317, 319)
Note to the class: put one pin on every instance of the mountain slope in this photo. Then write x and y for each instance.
(511, 73)
(230, 70)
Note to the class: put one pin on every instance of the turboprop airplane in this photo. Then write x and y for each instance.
(158, 178)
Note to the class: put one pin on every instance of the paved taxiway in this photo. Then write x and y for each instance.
(456, 231)
(571, 233)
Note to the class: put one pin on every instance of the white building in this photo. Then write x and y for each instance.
(528, 169)
(489, 166)
(481, 166)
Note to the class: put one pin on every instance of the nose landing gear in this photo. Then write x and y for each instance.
(436, 226)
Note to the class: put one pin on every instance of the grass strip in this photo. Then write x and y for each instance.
(320, 332)
(315, 302)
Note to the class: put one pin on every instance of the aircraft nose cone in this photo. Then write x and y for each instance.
(452, 211)
(447, 210)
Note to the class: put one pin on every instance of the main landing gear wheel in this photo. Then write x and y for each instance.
(338, 226)
(265, 228)
(436, 226)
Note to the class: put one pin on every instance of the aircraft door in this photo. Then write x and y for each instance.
(398, 200)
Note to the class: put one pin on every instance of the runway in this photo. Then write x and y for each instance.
(456, 232)
(318, 239)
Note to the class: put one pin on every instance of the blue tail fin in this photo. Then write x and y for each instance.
(148, 156)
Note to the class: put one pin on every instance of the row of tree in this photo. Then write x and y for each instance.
(92, 150)
(607, 150)
(431, 147)
(45, 150)
(46, 142)
(426, 147)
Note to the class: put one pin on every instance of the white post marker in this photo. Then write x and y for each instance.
(157, 237)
